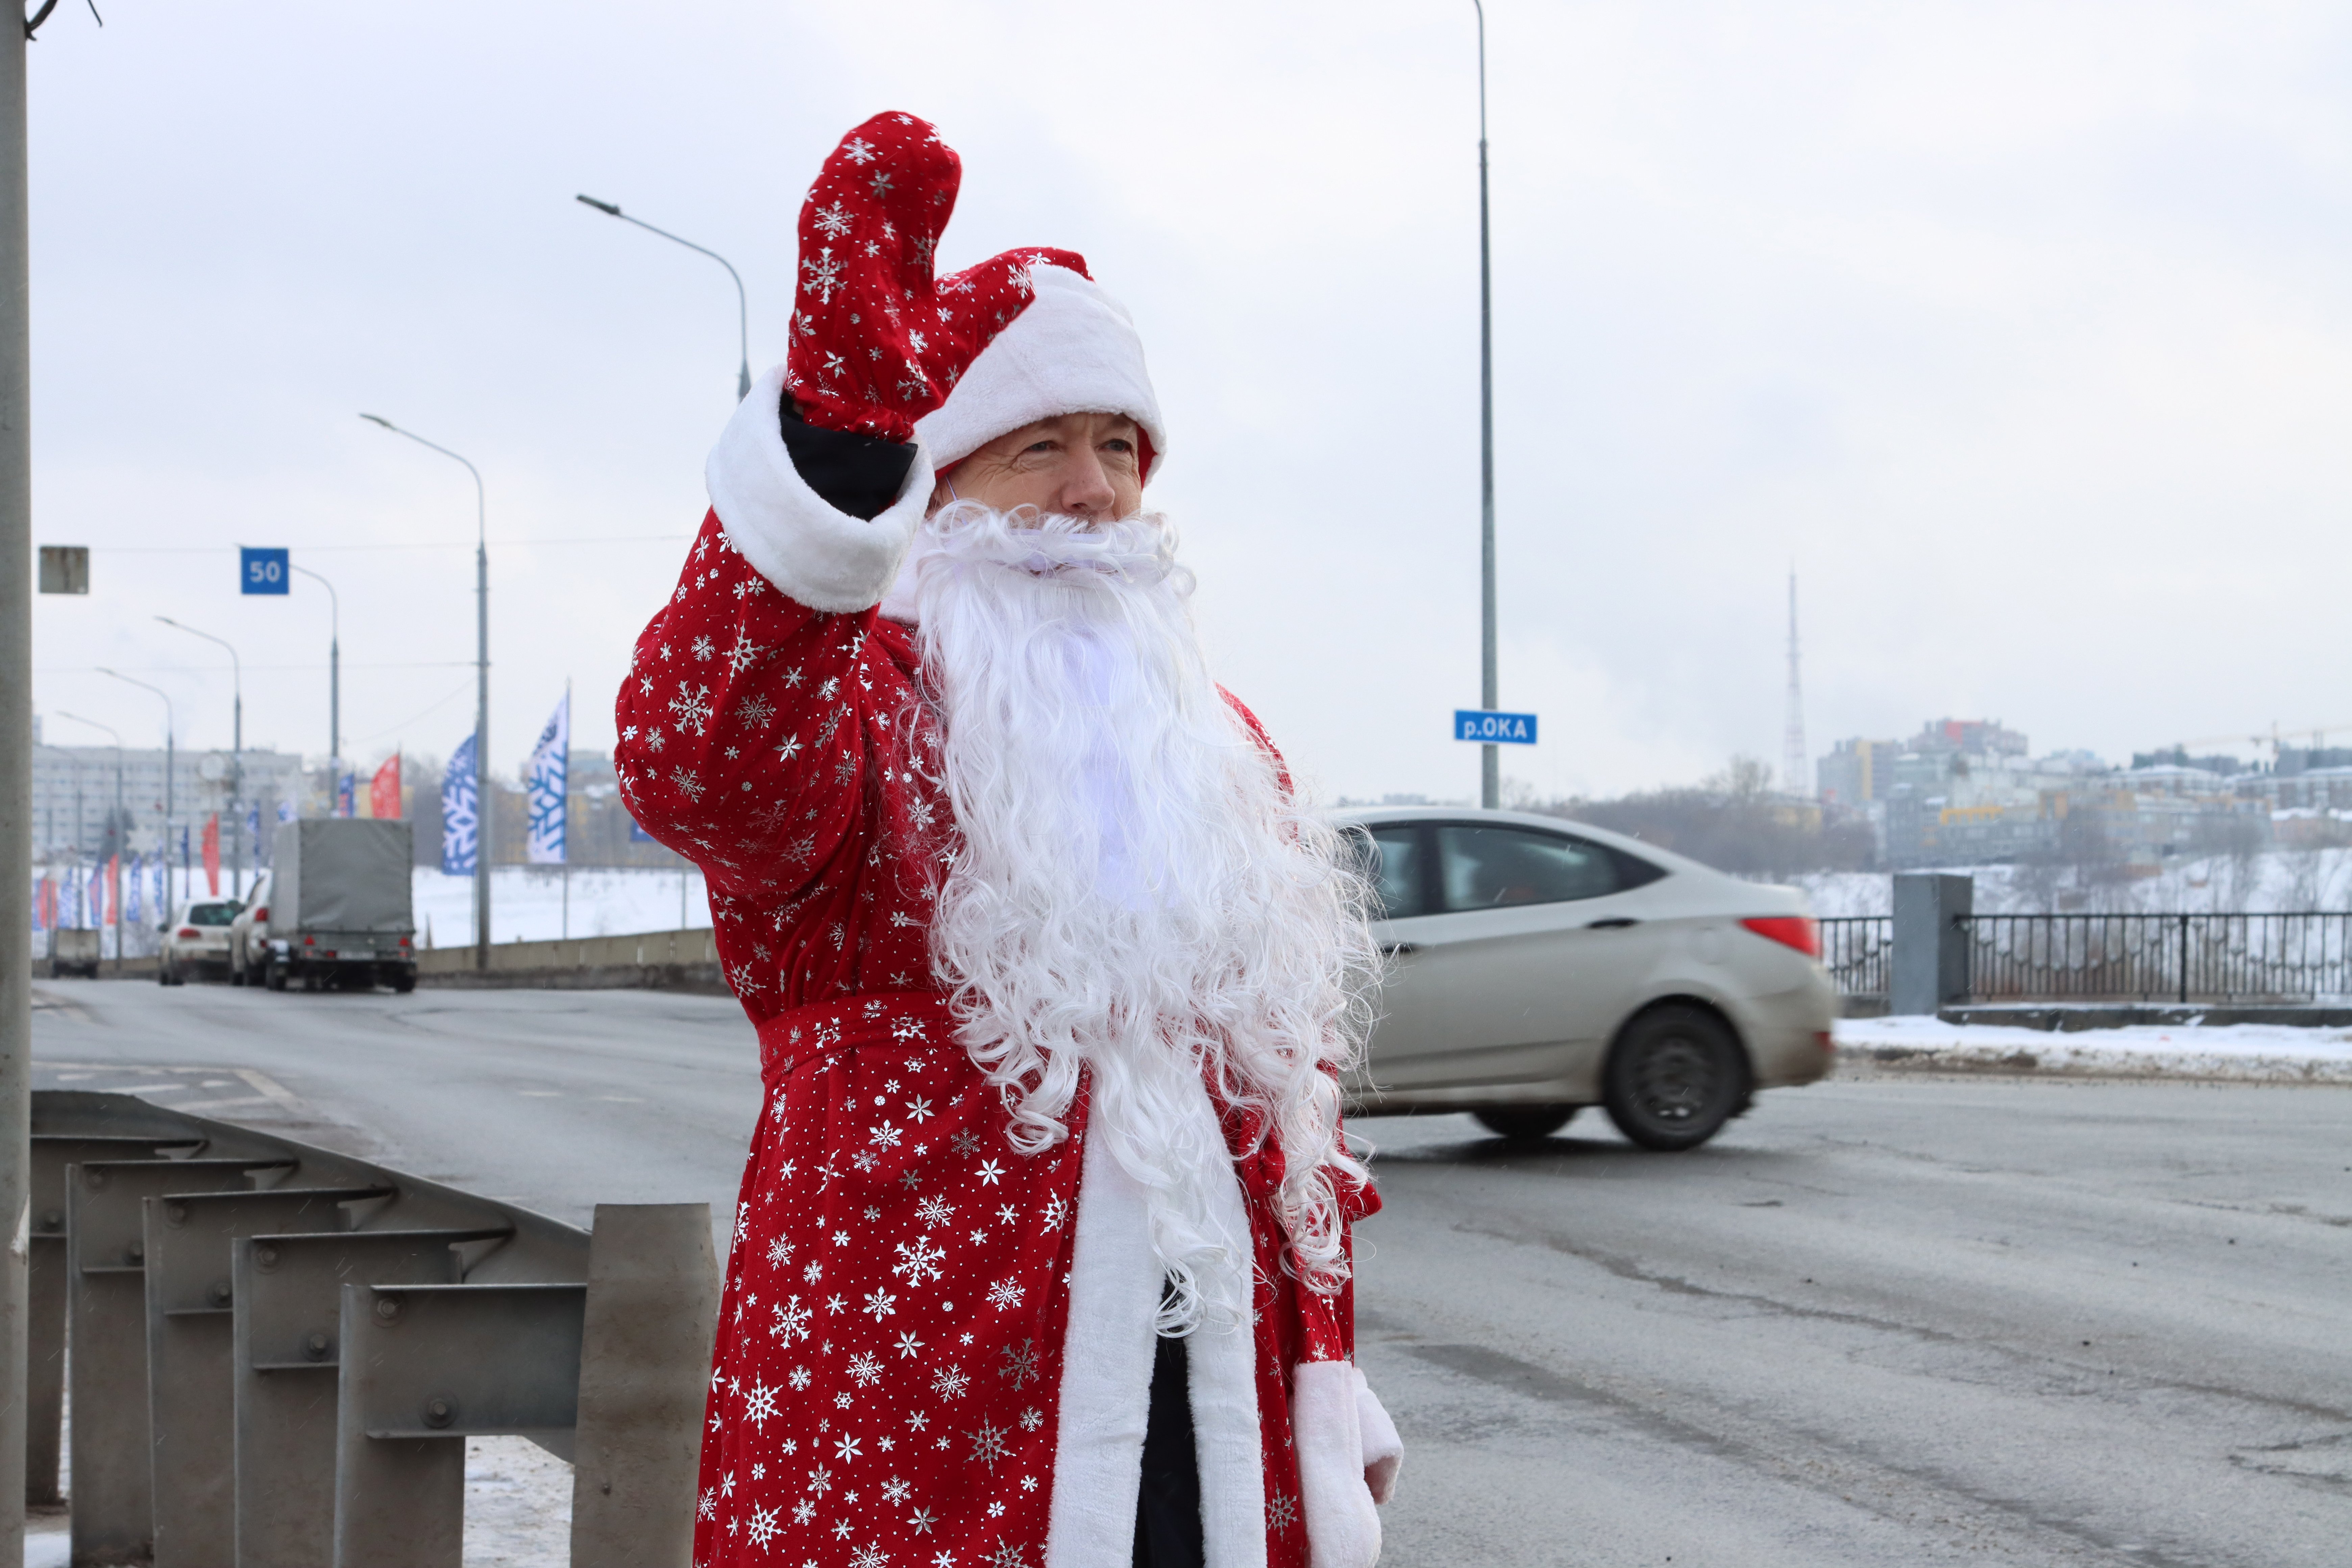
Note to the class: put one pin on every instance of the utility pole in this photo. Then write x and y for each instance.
(482, 813)
(334, 682)
(742, 304)
(237, 752)
(118, 830)
(1490, 755)
(1792, 732)
(169, 766)
(16, 775)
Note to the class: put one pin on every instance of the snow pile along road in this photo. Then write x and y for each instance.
(2242, 1053)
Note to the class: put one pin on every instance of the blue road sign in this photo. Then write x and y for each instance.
(263, 572)
(1494, 729)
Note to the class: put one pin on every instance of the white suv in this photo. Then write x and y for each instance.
(197, 939)
(1541, 965)
(249, 936)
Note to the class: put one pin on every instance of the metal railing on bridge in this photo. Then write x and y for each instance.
(2297, 956)
(278, 1352)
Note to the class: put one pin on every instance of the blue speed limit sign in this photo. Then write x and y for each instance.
(262, 571)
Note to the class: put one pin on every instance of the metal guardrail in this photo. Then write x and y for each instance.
(2295, 956)
(278, 1352)
(1857, 951)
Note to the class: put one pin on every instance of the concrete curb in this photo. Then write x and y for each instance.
(2087, 1063)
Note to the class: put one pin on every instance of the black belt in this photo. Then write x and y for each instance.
(1168, 1507)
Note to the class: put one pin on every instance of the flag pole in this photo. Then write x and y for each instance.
(566, 806)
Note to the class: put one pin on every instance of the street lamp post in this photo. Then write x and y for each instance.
(1490, 756)
(116, 833)
(168, 765)
(334, 682)
(482, 695)
(235, 754)
(742, 305)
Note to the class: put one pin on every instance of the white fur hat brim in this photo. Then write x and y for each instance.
(1071, 350)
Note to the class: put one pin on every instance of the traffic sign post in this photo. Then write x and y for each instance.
(1488, 728)
(263, 572)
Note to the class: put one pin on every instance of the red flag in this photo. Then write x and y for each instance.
(212, 856)
(113, 890)
(383, 792)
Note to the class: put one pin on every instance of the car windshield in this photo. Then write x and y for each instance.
(211, 914)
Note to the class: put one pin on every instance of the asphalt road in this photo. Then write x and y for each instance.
(1891, 1323)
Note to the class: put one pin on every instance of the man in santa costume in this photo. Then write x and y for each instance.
(1042, 1258)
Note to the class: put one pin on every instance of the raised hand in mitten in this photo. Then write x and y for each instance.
(864, 312)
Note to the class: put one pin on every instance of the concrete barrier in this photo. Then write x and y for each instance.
(654, 959)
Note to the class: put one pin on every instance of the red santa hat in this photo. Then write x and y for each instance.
(881, 346)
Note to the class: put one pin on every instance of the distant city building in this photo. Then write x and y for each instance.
(1856, 772)
(74, 793)
(1969, 737)
(2293, 759)
(1968, 791)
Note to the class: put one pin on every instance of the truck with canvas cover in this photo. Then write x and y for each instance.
(340, 913)
(73, 953)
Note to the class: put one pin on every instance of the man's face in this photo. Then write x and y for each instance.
(1085, 466)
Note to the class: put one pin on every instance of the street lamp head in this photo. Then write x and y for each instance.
(607, 208)
(379, 419)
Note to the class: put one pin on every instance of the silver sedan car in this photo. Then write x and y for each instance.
(1539, 966)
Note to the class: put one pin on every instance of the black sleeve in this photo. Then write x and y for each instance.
(857, 474)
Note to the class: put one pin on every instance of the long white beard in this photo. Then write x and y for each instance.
(1135, 890)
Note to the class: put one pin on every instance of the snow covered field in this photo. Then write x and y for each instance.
(2245, 1053)
(2276, 879)
(527, 904)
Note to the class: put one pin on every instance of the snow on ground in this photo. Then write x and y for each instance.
(2274, 880)
(527, 903)
(2251, 1053)
(517, 1503)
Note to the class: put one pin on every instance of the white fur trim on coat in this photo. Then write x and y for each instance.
(1106, 1394)
(1383, 1450)
(1222, 1360)
(1343, 1528)
(1106, 1369)
(812, 552)
(1071, 350)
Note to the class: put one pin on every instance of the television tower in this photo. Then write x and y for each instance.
(1794, 763)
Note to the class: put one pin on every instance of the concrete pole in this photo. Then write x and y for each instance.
(1490, 755)
(482, 803)
(16, 781)
(482, 813)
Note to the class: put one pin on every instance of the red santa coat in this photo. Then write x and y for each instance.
(894, 1382)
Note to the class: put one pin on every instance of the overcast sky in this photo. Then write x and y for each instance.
(2023, 332)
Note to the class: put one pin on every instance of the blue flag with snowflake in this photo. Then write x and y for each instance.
(460, 816)
(544, 782)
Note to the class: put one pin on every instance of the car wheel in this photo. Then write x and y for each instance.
(1675, 1076)
(1525, 1123)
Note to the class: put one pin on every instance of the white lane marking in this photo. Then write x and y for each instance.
(624, 1098)
(240, 1100)
(541, 1093)
(266, 1088)
(270, 1089)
